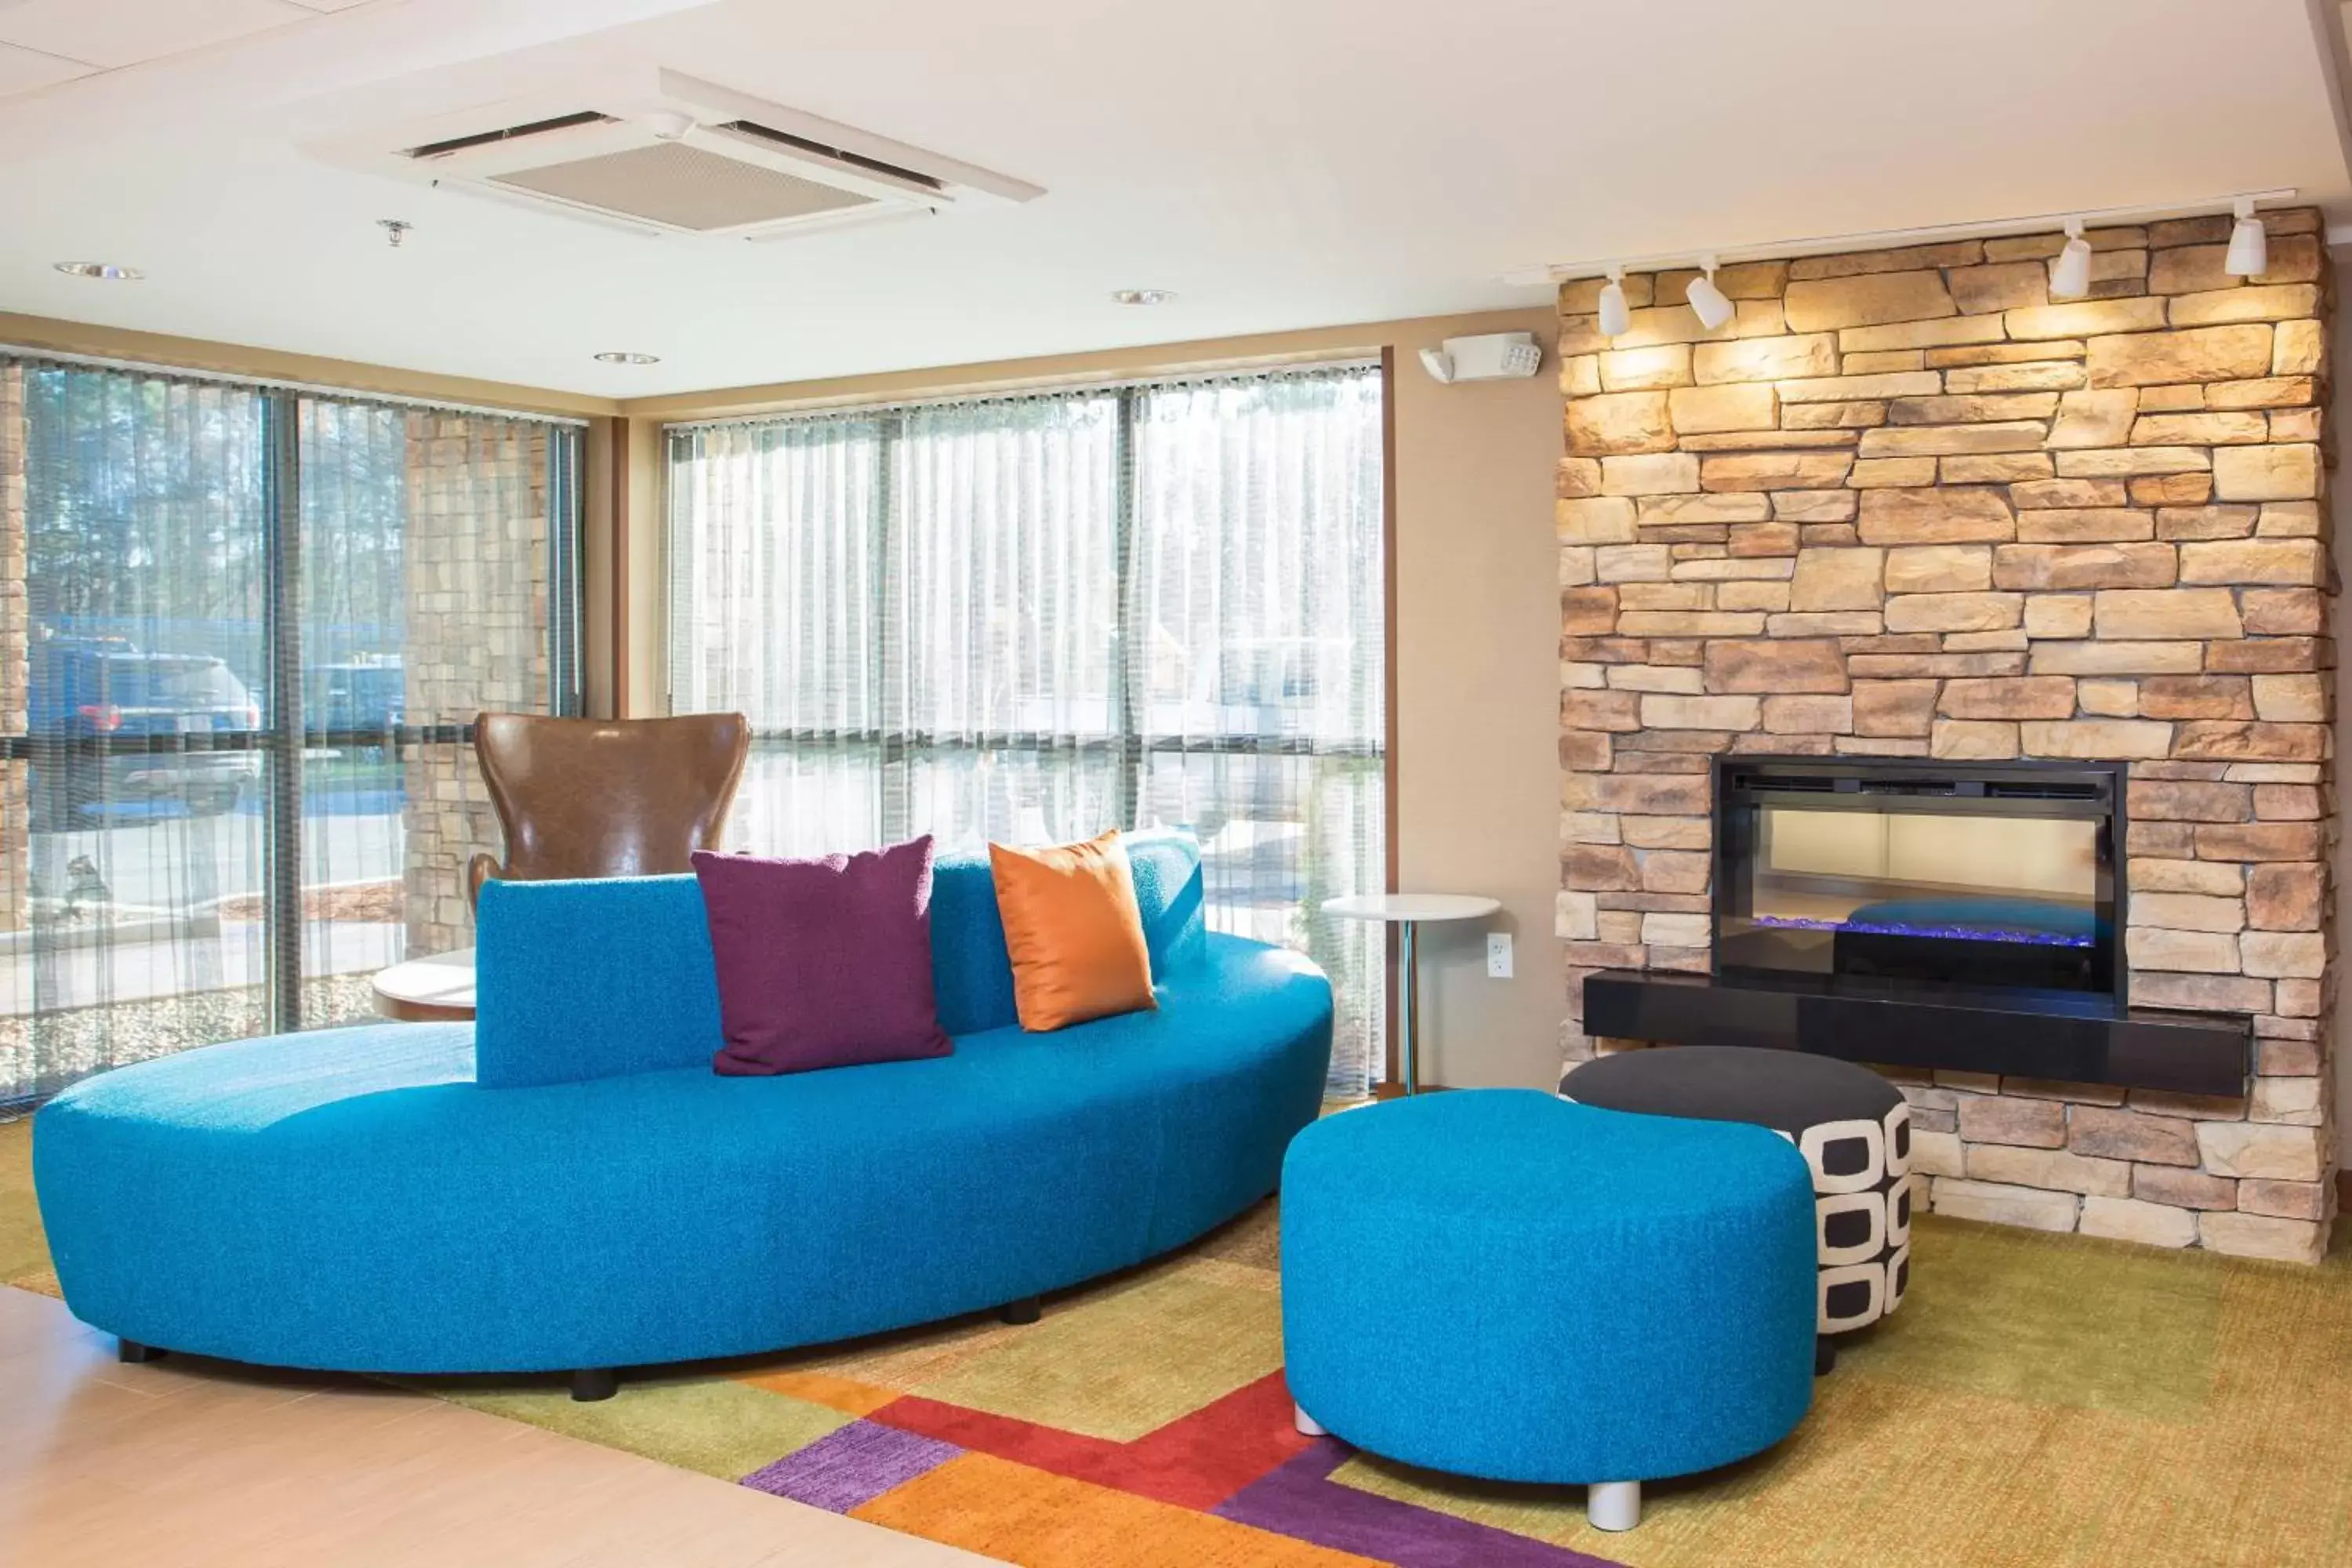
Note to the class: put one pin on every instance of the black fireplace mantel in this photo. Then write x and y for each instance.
(2066, 1037)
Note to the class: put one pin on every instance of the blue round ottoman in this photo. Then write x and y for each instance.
(1500, 1284)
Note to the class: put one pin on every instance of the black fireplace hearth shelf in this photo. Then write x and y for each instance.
(2067, 1036)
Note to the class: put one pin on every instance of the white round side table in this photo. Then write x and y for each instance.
(1406, 912)
(437, 988)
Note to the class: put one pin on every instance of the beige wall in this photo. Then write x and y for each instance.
(1477, 691)
(1477, 647)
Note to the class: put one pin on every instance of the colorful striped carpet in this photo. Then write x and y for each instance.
(2040, 1400)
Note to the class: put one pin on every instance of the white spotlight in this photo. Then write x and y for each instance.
(1707, 301)
(1614, 317)
(2070, 279)
(1439, 364)
(2249, 247)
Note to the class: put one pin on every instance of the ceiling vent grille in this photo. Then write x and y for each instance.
(662, 152)
(837, 154)
(678, 186)
(508, 133)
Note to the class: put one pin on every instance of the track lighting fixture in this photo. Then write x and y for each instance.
(1707, 301)
(2249, 247)
(2070, 279)
(2070, 271)
(1615, 318)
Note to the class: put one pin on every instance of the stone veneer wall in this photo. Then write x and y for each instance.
(1904, 505)
(475, 558)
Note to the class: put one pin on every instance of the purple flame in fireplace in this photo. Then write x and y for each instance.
(1907, 928)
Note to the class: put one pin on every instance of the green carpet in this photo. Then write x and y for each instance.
(2038, 1400)
(24, 1250)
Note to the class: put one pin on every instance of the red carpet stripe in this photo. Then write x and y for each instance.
(1196, 1461)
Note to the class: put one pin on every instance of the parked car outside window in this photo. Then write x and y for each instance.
(111, 725)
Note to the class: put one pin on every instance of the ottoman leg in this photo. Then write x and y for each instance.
(1825, 1355)
(131, 1350)
(1613, 1505)
(1028, 1310)
(1305, 1424)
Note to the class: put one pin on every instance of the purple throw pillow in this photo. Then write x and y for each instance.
(823, 962)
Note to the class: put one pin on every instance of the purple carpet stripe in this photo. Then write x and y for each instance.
(1301, 1502)
(850, 1465)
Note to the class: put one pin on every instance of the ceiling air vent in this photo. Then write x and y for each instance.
(507, 133)
(837, 154)
(663, 152)
(679, 187)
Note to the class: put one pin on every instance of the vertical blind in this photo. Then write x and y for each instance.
(1029, 618)
(243, 631)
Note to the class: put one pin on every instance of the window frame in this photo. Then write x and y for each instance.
(283, 737)
(1133, 743)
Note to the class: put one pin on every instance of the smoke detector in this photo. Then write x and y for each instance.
(661, 152)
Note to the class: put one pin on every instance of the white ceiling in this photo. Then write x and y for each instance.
(1279, 164)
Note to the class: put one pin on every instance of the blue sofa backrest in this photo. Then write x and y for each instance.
(582, 980)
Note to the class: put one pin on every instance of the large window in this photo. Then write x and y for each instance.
(1029, 618)
(243, 632)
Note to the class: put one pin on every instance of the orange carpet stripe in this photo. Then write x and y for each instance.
(845, 1394)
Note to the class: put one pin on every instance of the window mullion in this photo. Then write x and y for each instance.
(1126, 716)
(894, 697)
(282, 738)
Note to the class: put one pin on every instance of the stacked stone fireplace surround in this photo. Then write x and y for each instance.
(1904, 504)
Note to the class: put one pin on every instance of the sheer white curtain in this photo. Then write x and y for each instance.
(242, 630)
(1256, 600)
(1030, 619)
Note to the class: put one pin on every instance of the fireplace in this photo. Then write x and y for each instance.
(1996, 875)
(1907, 508)
(1926, 914)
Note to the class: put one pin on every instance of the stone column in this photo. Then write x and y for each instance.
(476, 602)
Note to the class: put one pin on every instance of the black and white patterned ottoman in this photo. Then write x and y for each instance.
(1853, 1126)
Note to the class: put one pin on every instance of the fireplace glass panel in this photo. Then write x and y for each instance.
(1891, 873)
(2031, 880)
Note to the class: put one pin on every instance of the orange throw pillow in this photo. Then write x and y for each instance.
(1074, 930)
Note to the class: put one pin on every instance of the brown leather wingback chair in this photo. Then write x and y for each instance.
(605, 797)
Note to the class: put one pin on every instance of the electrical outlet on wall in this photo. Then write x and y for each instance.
(1498, 955)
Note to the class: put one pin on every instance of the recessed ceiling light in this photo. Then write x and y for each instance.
(620, 356)
(106, 270)
(1143, 296)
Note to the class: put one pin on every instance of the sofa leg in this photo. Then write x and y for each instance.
(1613, 1505)
(1308, 1425)
(590, 1384)
(133, 1351)
(1028, 1310)
(1825, 1355)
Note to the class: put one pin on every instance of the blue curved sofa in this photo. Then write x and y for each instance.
(565, 1184)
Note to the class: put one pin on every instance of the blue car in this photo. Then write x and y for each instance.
(111, 725)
